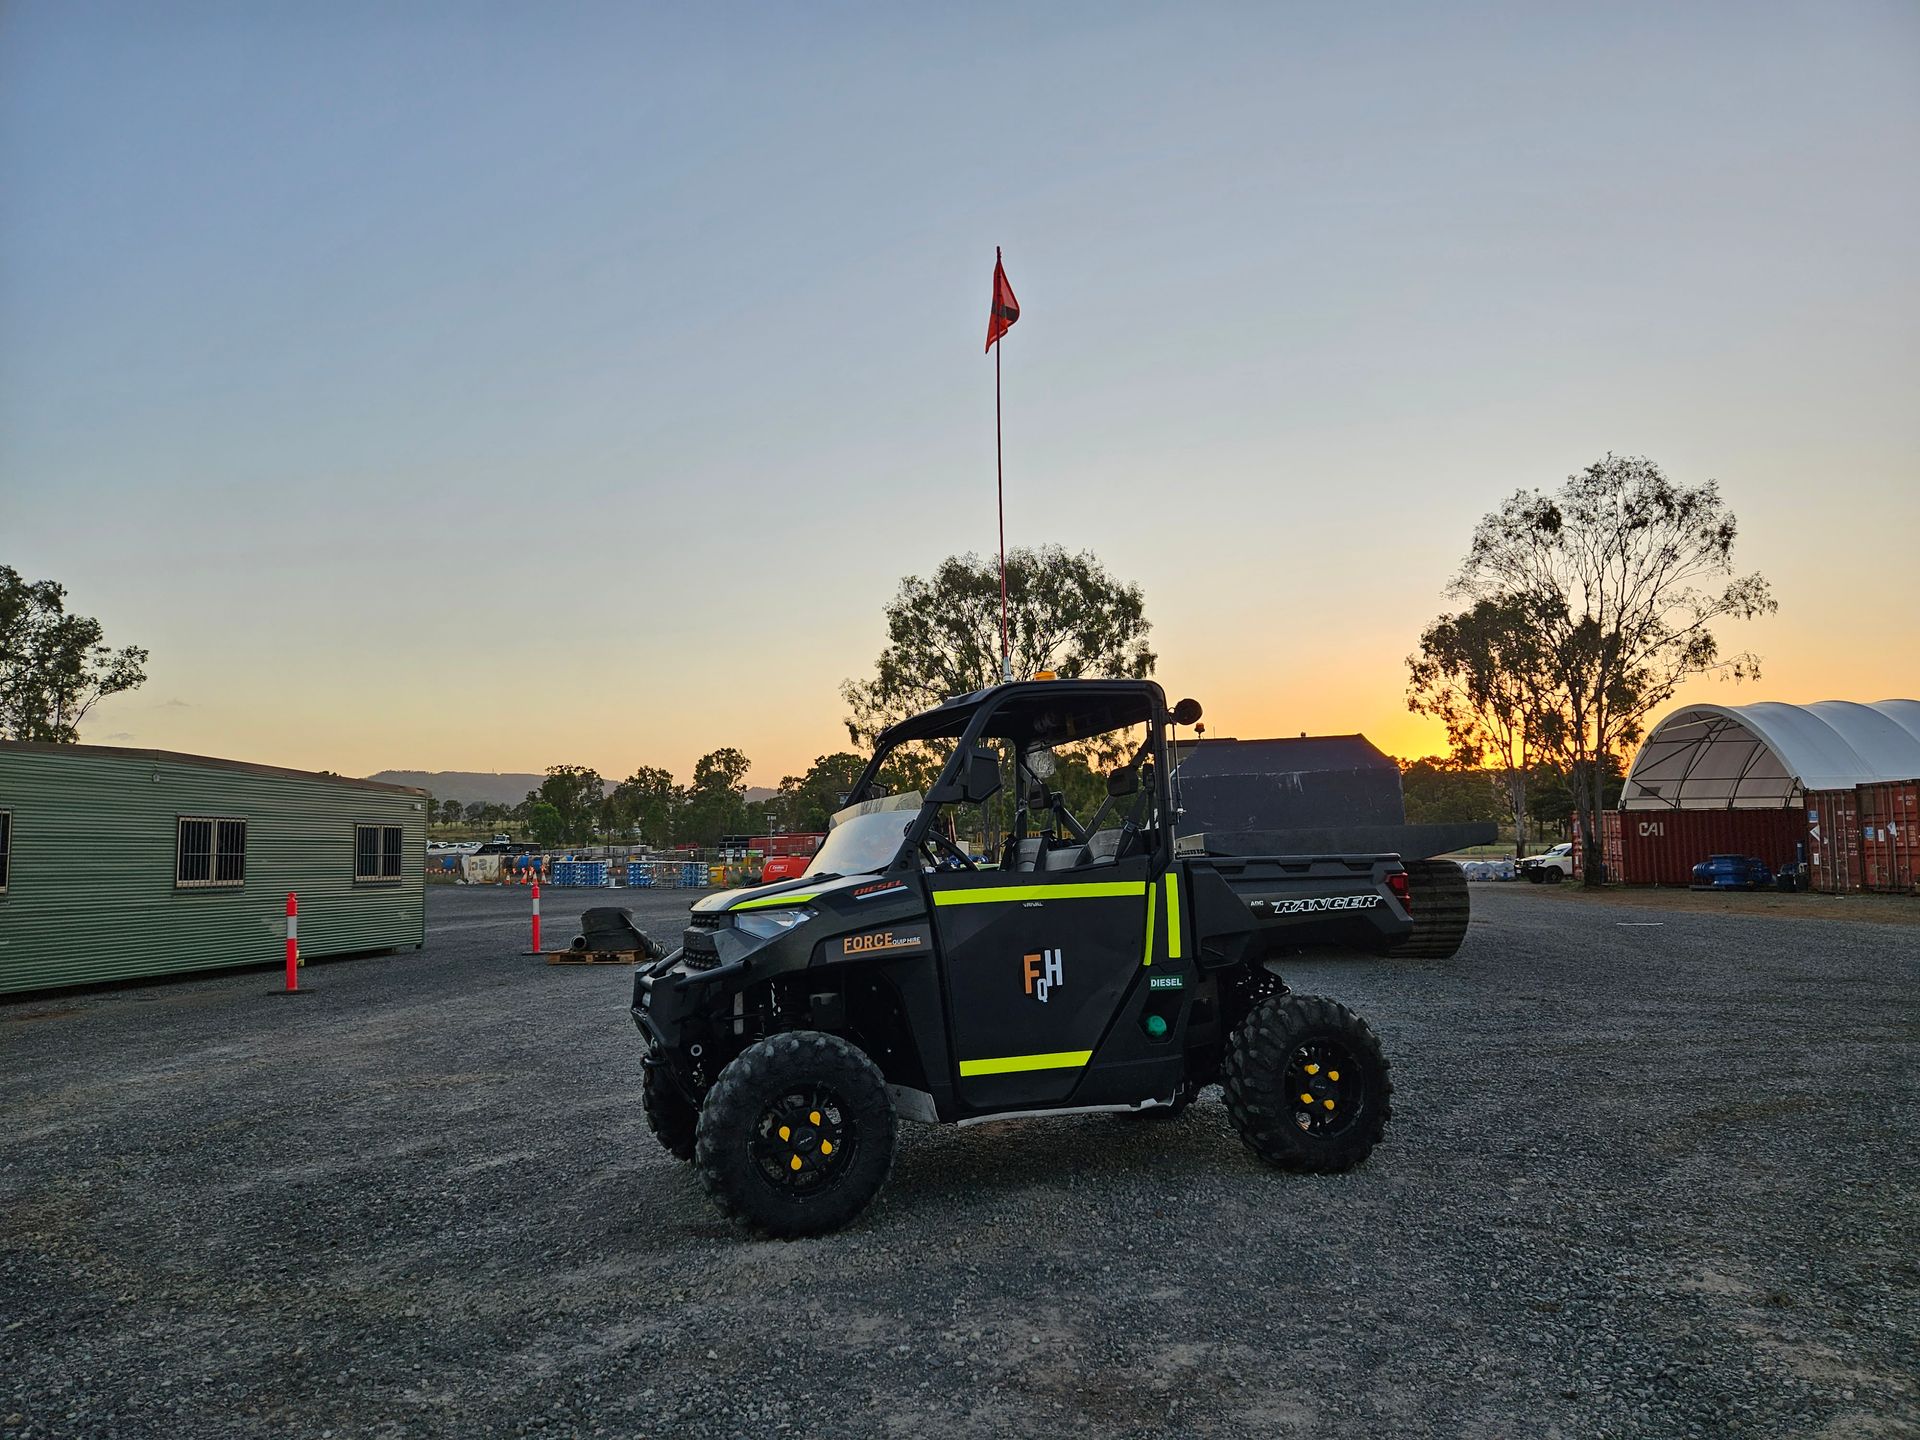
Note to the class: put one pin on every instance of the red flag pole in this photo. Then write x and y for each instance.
(1000, 497)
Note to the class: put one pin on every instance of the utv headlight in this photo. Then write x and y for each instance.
(765, 924)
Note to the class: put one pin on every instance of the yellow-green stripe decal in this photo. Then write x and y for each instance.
(1011, 1064)
(1009, 894)
(1173, 916)
(766, 901)
(1152, 896)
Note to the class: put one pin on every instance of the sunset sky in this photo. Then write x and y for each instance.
(466, 386)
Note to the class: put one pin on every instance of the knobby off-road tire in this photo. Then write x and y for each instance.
(1441, 907)
(670, 1115)
(797, 1135)
(1306, 1085)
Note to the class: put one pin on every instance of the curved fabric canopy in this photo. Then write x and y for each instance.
(1765, 756)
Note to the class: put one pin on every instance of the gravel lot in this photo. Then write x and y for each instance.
(1652, 1174)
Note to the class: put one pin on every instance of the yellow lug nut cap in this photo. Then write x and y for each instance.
(1313, 1069)
(826, 1147)
(1327, 1103)
(1333, 1074)
(813, 1118)
(785, 1133)
(1305, 1099)
(794, 1164)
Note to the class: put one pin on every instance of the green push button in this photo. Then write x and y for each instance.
(1156, 1026)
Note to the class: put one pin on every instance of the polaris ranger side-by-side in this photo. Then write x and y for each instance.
(1096, 966)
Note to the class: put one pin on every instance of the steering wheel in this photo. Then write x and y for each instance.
(956, 858)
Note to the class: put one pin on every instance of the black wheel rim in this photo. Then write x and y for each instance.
(1325, 1087)
(804, 1141)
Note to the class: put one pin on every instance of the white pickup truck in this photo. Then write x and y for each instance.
(1549, 867)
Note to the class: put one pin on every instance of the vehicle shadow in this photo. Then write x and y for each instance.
(1002, 1159)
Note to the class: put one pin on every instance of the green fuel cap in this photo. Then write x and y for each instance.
(1156, 1025)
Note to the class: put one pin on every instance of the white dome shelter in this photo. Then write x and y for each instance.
(1767, 756)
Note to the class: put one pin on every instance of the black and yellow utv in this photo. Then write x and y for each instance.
(1024, 937)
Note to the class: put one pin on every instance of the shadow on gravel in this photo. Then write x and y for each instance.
(986, 1163)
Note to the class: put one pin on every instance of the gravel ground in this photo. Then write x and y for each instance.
(1651, 1175)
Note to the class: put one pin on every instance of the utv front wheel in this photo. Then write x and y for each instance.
(670, 1115)
(797, 1135)
(1306, 1084)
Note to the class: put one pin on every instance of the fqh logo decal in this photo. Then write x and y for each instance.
(1043, 971)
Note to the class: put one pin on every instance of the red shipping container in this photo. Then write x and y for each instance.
(798, 843)
(1609, 847)
(1889, 828)
(1661, 847)
(1833, 840)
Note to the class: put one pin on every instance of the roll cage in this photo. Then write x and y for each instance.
(1027, 714)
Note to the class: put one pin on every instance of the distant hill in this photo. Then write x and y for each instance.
(469, 787)
(490, 788)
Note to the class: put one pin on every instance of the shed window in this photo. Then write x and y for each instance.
(212, 852)
(377, 851)
(6, 848)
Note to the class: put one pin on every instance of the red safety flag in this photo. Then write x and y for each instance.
(1005, 309)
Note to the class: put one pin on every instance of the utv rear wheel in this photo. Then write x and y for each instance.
(1306, 1084)
(670, 1115)
(1441, 907)
(797, 1135)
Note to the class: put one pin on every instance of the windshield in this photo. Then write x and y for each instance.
(865, 838)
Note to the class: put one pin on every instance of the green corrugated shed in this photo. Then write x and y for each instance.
(93, 853)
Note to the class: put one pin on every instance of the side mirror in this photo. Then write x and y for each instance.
(977, 782)
(1187, 712)
(1123, 783)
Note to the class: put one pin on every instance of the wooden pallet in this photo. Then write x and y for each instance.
(590, 957)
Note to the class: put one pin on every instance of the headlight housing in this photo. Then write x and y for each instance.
(766, 924)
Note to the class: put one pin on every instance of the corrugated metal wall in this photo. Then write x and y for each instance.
(1888, 816)
(1661, 847)
(91, 894)
(1862, 839)
(1833, 840)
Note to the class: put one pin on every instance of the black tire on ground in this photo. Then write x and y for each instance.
(1306, 1085)
(797, 1135)
(1441, 909)
(670, 1115)
(1552, 874)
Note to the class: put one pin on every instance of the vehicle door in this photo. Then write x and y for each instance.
(1036, 965)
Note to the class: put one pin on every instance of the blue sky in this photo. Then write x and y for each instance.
(396, 372)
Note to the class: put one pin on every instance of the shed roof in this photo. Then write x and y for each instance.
(40, 747)
(1767, 755)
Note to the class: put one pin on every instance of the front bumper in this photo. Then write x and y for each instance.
(671, 1002)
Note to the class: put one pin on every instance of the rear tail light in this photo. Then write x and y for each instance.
(1397, 882)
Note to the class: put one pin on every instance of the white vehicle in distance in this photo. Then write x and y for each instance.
(1550, 867)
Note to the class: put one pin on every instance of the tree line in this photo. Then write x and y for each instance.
(1441, 790)
(575, 805)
